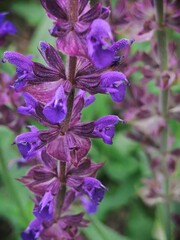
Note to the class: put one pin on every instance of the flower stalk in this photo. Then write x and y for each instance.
(163, 107)
(71, 74)
(61, 166)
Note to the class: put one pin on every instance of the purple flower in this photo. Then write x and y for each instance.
(173, 15)
(51, 98)
(96, 81)
(44, 210)
(23, 67)
(65, 228)
(95, 191)
(36, 74)
(51, 113)
(42, 82)
(114, 83)
(55, 111)
(71, 35)
(69, 146)
(31, 104)
(6, 28)
(63, 144)
(42, 178)
(28, 143)
(101, 47)
(33, 231)
(105, 128)
(102, 128)
(138, 18)
(9, 100)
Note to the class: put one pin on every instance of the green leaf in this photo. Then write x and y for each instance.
(119, 159)
(141, 46)
(118, 196)
(101, 107)
(140, 221)
(99, 231)
(175, 128)
(15, 192)
(41, 34)
(31, 11)
(152, 88)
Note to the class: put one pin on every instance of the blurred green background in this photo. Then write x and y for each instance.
(122, 215)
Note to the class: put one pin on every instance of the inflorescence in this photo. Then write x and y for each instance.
(55, 95)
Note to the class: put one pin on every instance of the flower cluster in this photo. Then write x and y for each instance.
(55, 95)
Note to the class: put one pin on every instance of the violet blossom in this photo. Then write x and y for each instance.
(6, 28)
(101, 47)
(95, 192)
(33, 230)
(33, 76)
(71, 35)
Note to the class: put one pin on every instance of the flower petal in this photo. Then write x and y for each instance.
(56, 110)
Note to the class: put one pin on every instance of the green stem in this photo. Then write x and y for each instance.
(8, 181)
(163, 107)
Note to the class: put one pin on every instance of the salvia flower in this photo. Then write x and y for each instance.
(28, 143)
(95, 191)
(101, 47)
(6, 28)
(55, 111)
(55, 95)
(33, 231)
(70, 32)
(102, 128)
(44, 210)
(29, 72)
(65, 228)
(74, 142)
(115, 84)
(38, 80)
